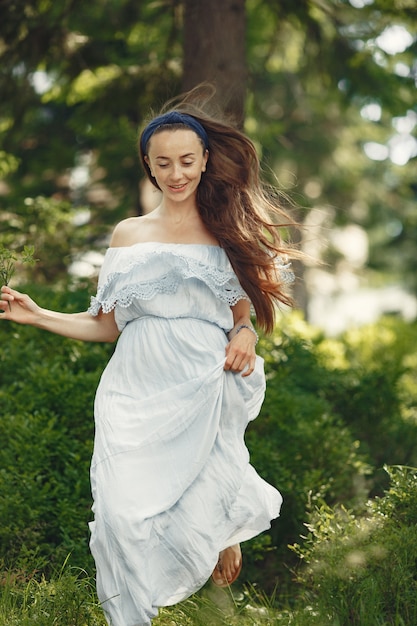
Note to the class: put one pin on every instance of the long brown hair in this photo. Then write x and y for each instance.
(244, 216)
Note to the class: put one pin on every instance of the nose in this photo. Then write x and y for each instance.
(176, 172)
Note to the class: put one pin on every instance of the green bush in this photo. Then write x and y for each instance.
(44, 488)
(47, 386)
(376, 395)
(336, 411)
(300, 444)
(361, 569)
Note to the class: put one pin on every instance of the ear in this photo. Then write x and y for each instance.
(205, 159)
(146, 159)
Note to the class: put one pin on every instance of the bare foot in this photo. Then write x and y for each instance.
(228, 566)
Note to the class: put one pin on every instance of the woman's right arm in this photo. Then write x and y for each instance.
(20, 308)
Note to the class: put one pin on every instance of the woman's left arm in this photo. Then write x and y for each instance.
(240, 351)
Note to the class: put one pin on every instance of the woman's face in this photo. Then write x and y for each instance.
(177, 160)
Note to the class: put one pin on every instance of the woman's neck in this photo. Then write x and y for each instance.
(178, 213)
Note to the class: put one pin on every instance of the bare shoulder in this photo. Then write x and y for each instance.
(127, 232)
(153, 227)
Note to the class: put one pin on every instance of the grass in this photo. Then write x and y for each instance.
(69, 599)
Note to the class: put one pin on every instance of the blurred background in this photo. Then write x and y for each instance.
(325, 88)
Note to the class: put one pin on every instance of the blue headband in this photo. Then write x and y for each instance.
(173, 117)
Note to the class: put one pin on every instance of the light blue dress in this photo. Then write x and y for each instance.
(171, 479)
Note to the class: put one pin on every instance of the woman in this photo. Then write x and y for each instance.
(174, 493)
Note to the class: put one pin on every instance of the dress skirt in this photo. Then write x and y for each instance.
(171, 479)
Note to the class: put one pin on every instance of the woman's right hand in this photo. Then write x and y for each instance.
(17, 307)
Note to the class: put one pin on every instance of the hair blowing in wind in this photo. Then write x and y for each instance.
(241, 212)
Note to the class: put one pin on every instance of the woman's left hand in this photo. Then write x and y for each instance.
(240, 352)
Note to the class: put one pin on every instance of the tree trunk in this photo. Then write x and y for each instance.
(215, 51)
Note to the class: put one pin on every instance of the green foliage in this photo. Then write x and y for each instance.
(44, 487)
(47, 386)
(335, 412)
(376, 394)
(6, 265)
(8, 260)
(360, 570)
(49, 227)
(105, 65)
(68, 598)
(299, 443)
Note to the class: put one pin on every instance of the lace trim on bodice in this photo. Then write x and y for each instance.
(162, 271)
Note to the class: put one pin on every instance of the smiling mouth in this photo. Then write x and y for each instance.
(178, 187)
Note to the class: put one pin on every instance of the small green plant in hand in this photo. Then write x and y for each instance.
(8, 260)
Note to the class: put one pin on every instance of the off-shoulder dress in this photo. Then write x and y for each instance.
(171, 480)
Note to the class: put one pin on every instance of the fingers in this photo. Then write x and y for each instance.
(10, 295)
(240, 353)
(7, 291)
(240, 362)
(246, 366)
(248, 371)
(6, 298)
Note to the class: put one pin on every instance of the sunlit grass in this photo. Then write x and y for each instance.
(68, 599)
